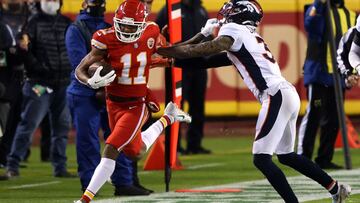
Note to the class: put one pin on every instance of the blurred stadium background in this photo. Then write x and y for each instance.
(283, 30)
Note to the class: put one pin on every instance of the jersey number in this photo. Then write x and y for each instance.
(268, 54)
(125, 78)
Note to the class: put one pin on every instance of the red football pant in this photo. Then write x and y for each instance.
(126, 121)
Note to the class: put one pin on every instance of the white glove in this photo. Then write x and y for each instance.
(97, 81)
(210, 25)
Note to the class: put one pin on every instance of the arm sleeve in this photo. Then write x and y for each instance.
(214, 61)
(358, 23)
(75, 46)
(354, 55)
(341, 54)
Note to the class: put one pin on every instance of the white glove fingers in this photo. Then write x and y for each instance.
(98, 70)
(109, 75)
(110, 80)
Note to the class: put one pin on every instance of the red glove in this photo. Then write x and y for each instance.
(161, 41)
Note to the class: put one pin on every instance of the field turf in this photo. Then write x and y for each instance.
(230, 162)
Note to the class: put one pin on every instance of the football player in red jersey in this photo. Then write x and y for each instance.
(128, 47)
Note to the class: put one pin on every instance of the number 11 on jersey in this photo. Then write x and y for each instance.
(125, 78)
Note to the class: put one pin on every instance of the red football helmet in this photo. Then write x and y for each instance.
(130, 20)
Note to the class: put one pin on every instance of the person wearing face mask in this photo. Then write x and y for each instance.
(194, 16)
(88, 113)
(321, 110)
(47, 76)
(13, 16)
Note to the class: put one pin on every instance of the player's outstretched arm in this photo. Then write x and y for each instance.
(213, 61)
(206, 32)
(217, 45)
(81, 71)
(194, 40)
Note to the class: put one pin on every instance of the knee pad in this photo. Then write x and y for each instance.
(261, 161)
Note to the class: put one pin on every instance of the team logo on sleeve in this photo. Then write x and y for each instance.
(151, 43)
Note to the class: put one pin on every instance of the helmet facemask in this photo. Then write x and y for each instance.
(128, 30)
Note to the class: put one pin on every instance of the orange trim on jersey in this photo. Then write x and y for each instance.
(142, 120)
(98, 44)
(265, 117)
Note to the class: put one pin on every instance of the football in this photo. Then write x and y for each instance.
(106, 68)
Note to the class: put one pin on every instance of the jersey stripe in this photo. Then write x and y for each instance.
(98, 44)
(251, 67)
(271, 116)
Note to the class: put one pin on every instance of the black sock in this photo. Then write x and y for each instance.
(307, 168)
(334, 190)
(275, 176)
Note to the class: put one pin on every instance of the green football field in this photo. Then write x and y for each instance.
(230, 166)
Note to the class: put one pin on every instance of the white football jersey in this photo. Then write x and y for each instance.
(354, 54)
(253, 59)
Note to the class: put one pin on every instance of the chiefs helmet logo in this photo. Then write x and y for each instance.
(151, 43)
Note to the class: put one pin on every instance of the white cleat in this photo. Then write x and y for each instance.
(79, 201)
(344, 192)
(178, 114)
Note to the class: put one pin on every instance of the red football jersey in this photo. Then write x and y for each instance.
(131, 61)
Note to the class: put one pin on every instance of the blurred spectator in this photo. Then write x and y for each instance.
(47, 76)
(318, 80)
(45, 129)
(194, 17)
(13, 16)
(87, 110)
(5, 43)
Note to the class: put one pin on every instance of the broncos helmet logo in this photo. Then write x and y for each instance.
(244, 12)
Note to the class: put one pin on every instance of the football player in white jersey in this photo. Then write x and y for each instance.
(239, 44)
(354, 54)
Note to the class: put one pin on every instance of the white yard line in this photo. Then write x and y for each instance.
(34, 185)
(191, 167)
(204, 166)
(258, 191)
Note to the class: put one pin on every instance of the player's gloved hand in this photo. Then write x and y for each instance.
(97, 81)
(209, 27)
(351, 81)
(357, 70)
(151, 102)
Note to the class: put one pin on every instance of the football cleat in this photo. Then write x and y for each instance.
(178, 114)
(343, 193)
(79, 201)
